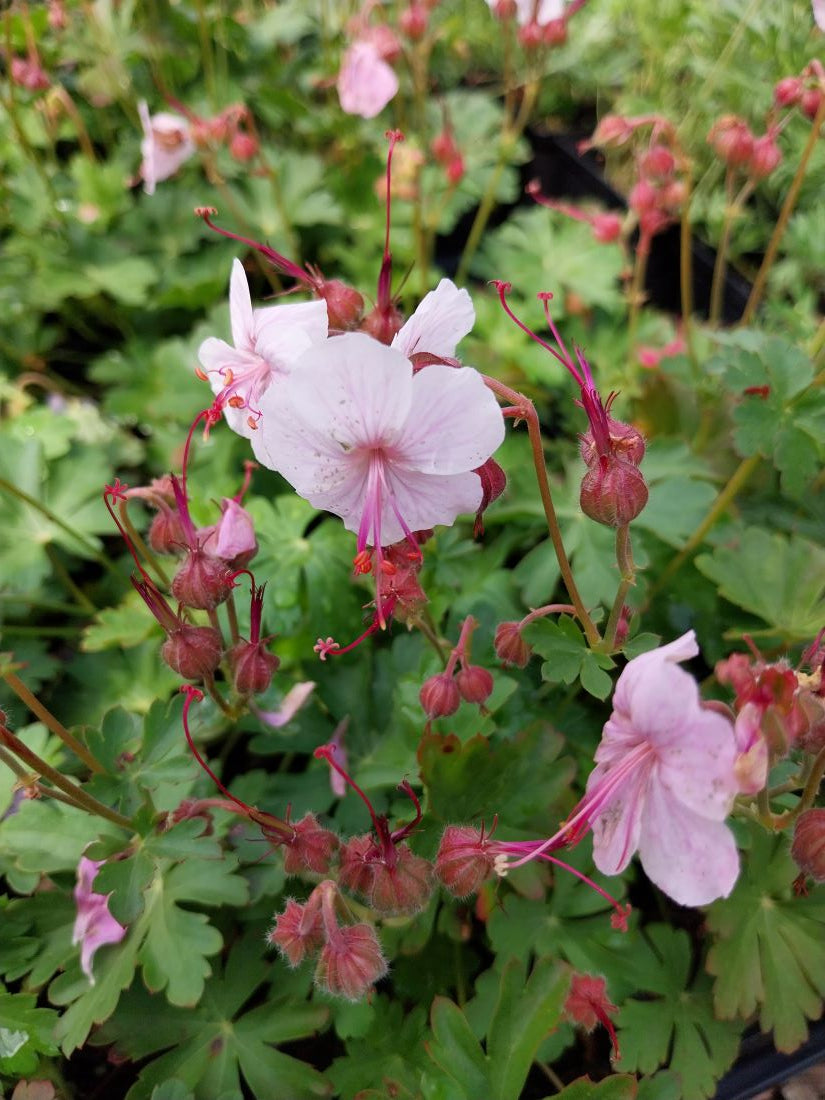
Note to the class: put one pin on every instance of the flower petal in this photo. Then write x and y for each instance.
(240, 309)
(692, 859)
(455, 423)
(366, 84)
(444, 316)
(310, 317)
(655, 699)
(616, 828)
(428, 500)
(698, 763)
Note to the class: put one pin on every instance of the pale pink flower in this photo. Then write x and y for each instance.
(753, 759)
(291, 703)
(358, 432)
(366, 83)
(443, 317)
(664, 782)
(267, 343)
(233, 537)
(166, 144)
(819, 13)
(535, 11)
(94, 925)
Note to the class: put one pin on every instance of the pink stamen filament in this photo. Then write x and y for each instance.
(116, 492)
(183, 511)
(275, 258)
(502, 288)
(248, 467)
(327, 752)
(620, 911)
(405, 830)
(384, 295)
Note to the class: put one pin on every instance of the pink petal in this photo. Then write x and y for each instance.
(752, 748)
(692, 859)
(429, 500)
(617, 827)
(94, 925)
(309, 317)
(546, 12)
(290, 705)
(240, 309)
(819, 13)
(235, 533)
(455, 423)
(158, 162)
(653, 694)
(366, 84)
(698, 763)
(444, 316)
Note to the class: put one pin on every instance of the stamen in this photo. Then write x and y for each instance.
(362, 562)
(327, 752)
(275, 258)
(546, 297)
(503, 287)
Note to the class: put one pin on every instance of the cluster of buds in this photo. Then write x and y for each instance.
(606, 226)
(613, 490)
(349, 956)
(541, 23)
(441, 694)
(742, 151)
(447, 153)
(806, 91)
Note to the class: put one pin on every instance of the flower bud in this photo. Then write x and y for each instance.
(355, 871)
(606, 228)
(201, 582)
(642, 196)
(510, 646)
(243, 147)
(344, 304)
(413, 21)
(383, 324)
(298, 931)
(555, 32)
(808, 848)
(404, 888)
(658, 161)
(505, 9)
(788, 92)
(673, 195)
(192, 651)
(311, 847)
(350, 962)
(732, 140)
(384, 39)
(252, 667)
(464, 860)
(443, 147)
(613, 130)
(810, 101)
(166, 535)
(439, 696)
(613, 492)
(233, 538)
(455, 170)
(530, 35)
(474, 683)
(765, 157)
(626, 442)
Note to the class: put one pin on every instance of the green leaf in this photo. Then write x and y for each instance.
(617, 1087)
(455, 1050)
(524, 1015)
(26, 1032)
(769, 955)
(781, 579)
(677, 1025)
(568, 656)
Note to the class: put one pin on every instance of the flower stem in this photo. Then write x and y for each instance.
(686, 276)
(529, 414)
(81, 798)
(627, 575)
(140, 545)
(27, 780)
(733, 210)
(636, 297)
(737, 480)
(49, 720)
(232, 616)
(784, 216)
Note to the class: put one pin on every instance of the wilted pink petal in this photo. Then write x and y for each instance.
(166, 144)
(94, 925)
(366, 83)
(752, 761)
(234, 535)
(290, 705)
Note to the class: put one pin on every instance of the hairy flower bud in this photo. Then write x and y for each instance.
(166, 535)
(813, 708)
(474, 683)
(344, 304)
(612, 131)
(350, 962)
(788, 92)
(464, 860)
(626, 442)
(439, 696)
(765, 157)
(383, 324)
(298, 931)
(658, 161)
(311, 847)
(613, 492)
(531, 35)
(731, 140)
(192, 651)
(810, 101)
(252, 667)
(510, 646)
(403, 888)
(808, 848)
(201, 582)
(355, 871)
(233, 538)
(643, 196)
(413, 21)
(455, 170)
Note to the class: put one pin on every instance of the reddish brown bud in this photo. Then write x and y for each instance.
(383, 324)
(606, 228)
(510, 646)
(166, 535)
(355, 871)
(530, 36)
(808, 848)
(413, 21)
(350, 962)
(344, 304)
(252, 667)
(555, 32)
(443, 147)
(505, 9)
(439, 696)
(455, 170)
(765, 158)
(643, 196)
(464, 860)
(658, 161)
(298, 931)
(813, 708)
(201, 582)
(732, 140)
(626, 442)
(613, 492)
(810, 101)
(192, 651)
(243, 146)
(311, 847)
(405, 887)
(788, 92)
(474, 683)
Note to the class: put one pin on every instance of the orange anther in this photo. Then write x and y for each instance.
(228, 376)
(388, 568)
(236, 402)
(201, 374)
(252, 422)
(362, 562)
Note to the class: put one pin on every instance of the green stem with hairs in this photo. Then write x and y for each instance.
(49, 720)
(627, 577)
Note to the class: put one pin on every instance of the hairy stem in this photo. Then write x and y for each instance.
(627, 577)
(49, 720)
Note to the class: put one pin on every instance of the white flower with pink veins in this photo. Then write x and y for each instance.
(391, 450)
(267, 343)
(166, 145)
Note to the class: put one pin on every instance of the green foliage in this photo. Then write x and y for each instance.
(25, 1034)
(567, 656)
(768, 955)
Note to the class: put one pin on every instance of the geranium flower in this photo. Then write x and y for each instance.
(535, 11)
(358, 432)
(267, 343)
(94, 925)
(819, 13)
(167, 143)
(442, 319)
(366, 83)
(664, 783)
